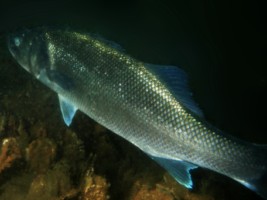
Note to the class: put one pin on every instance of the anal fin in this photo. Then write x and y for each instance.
(180, 170)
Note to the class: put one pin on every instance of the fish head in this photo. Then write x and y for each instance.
(29, 50)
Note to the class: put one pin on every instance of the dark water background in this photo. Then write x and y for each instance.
(220, 44)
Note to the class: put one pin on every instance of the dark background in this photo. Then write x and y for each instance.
(221, 45)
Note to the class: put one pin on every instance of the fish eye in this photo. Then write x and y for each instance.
(17, 41)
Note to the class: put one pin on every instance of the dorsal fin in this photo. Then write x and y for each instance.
(176, 81)
(109, 43)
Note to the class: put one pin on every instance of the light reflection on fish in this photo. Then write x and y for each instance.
(148, 105)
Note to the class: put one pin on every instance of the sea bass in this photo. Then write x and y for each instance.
(148, 105)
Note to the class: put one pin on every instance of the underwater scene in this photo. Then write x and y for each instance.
(133, 100)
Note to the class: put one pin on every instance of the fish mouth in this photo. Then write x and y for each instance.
(15, 39)
(11, 45)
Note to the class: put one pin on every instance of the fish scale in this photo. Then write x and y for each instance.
(148, 105)
(120, 72)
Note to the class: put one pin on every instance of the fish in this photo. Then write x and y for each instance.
(149, 105)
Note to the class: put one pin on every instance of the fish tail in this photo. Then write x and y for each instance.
(259, 185)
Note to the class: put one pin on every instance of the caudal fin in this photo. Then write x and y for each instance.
(259, 185)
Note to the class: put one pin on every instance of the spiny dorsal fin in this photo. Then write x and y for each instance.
(176, 80)
(109, 43)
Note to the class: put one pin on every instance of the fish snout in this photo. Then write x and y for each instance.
(17, 41)
(13, 43)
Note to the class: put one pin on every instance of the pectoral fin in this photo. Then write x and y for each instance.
(61, 79)
(180, 170)
(67, 109)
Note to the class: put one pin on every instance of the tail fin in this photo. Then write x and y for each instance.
(259, 185)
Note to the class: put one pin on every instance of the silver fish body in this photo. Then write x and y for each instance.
(134, 100)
